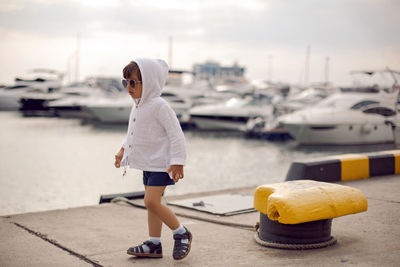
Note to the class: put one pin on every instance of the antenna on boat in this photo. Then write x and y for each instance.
(270, 59)
(70, 62)
(326, 70)
(78, 41)
(170, 51)
(307, 66)
(68, 72)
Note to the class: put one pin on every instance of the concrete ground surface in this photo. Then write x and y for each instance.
(100, 235)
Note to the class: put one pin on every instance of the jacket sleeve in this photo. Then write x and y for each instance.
(169, 121)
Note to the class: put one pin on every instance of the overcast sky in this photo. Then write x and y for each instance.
(355, 34)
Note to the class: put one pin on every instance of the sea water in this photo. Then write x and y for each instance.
(52, 163)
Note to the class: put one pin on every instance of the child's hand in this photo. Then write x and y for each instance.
(177, 172)
(118, 158)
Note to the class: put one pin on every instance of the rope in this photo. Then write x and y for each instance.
(124, 199)
(236, 225)
(255, 228)
(264, 243)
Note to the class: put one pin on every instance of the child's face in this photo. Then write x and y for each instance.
(137, 91)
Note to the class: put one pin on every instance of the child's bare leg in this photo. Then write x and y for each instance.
(154, 223)
(157, 212)
(155, 208)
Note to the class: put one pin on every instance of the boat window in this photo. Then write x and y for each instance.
(178, 101)
(74, 93)
(363, 104)
(381, 111)
(339, 100)
(16, 86)
(167, 94)
(326, 127)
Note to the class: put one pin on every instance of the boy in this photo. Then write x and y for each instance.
(156, 145)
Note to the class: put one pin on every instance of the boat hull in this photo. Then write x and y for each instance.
(222, 123)
(9, 99)
(71, 112)
(110, 114)
(9, 103)
(344, 134)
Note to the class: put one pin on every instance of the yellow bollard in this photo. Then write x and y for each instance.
(298, 214)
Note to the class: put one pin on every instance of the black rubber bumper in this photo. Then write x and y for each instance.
(302, 233)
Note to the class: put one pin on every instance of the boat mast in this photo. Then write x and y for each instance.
(69, 73)
(326, 70)
(307, 66)
(77, 58)
(270, 58)
(170, 52)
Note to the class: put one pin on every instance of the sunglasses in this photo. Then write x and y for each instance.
(132, 83)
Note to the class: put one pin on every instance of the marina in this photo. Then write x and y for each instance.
(58, 162)
(52, 163)
(239, 133)
(286, 135)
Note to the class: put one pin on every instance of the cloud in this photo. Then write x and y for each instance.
(247, 31)
(326, 23)
(288, 23)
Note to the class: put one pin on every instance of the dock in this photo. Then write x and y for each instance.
(100, 235)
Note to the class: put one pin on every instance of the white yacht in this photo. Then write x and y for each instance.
(46, 80)
(364, 113)
(346, 118)
(35, 81)
(41, 103)
(36, 103)
(233, 114)
(75, 97)
(305, 98)
(110, 109)
(180, 103)
(201, 93)
(117, 109)
(10, 95)
(270, 127)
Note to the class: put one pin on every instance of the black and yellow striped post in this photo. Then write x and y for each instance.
(346, 167)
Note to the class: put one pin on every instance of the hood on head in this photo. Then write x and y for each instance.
(154, 75)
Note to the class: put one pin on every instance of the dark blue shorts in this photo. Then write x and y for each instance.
(157, 179)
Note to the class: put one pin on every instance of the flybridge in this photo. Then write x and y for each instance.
(373, 81)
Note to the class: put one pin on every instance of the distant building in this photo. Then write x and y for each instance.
(212, 70)
(178, 77)
(175, 77)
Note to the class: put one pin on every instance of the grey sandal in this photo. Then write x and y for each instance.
(138, 251)
(181, 250)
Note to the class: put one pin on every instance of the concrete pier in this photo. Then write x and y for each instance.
(100, 235)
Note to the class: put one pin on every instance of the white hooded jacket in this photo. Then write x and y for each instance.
(155, 139)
